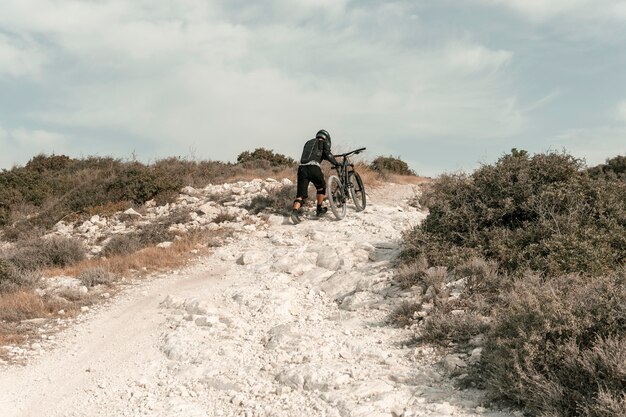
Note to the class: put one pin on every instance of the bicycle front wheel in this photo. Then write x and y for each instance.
(336, 198)
(357, 191)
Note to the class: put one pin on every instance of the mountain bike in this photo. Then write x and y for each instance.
(346, 185)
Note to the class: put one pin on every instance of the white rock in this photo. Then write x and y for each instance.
(370, 388)
(165, 245)
(189, 190)
(453, 364)
(171, 302)
(341, 284)
(253, 257)
(132, 213)
(475, 356)
(199, 307)
(328, 259)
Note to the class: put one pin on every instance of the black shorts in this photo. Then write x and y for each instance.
(310, 173)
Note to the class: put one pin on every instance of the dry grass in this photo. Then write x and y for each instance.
(403, 314)
(8, 336)
(22, 305)
(146, 260)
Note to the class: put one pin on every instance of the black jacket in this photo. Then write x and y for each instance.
(317, 150)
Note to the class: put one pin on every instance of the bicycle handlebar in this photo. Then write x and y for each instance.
(356, 151)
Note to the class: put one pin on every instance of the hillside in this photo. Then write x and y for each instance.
(280, 320)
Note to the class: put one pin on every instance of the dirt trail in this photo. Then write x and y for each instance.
(288, 321)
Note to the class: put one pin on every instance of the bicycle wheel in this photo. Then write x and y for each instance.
(336, 198)
(357, 190)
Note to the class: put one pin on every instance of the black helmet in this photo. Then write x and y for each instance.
(324, 135)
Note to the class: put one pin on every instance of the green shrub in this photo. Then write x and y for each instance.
(558, 344)
(224, 216)
(278, 201)
(138, 183)
(443, 327)
(542, 212)
(121, 245)
(50, 188)
(155, 233)
(42, 163)
(13, 279)
(264, 158)
(554, 338)
(411, 273)
(403, 314)
(96, 276)
(149, 235)
(389, 164)
(48, 252)
(614, 168)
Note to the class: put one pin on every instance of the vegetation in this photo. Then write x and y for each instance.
(278, 201)
(390, 165)
(96, 276)
(263, 158)
(538, 244)
(49, 188)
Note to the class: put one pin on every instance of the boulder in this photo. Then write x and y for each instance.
(253, 257)
(328, 259)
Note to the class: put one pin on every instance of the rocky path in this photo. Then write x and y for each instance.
(288, 321)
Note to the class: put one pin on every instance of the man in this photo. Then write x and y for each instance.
(315, 151)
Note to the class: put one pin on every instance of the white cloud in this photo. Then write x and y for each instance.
(43, 140)
(19, 58)
(620, 111)
(476, 58)
(223, 78)
(546, 10)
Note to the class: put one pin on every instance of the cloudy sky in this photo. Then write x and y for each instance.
(443, 84)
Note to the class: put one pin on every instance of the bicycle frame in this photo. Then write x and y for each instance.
(341, 188)
(345, 169)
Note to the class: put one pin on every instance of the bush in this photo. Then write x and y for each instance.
(149, 235)
(96, 276)
(278, 201)
(614, 168)
(403, 314)
(48, 252)
(443, 327)
(541, 212)
(391, 165)
(138, 183)
(50, 188)
(558, 345)
(121, 245)
(224, 216)
(264, 158)
(411, 273)
(12, 279)
(538, 243)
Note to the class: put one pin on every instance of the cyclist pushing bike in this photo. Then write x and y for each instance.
(314, 152)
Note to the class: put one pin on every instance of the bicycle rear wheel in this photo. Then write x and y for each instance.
(336, 198)
(357, 191)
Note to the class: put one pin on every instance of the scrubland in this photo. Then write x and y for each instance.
(539, 245)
